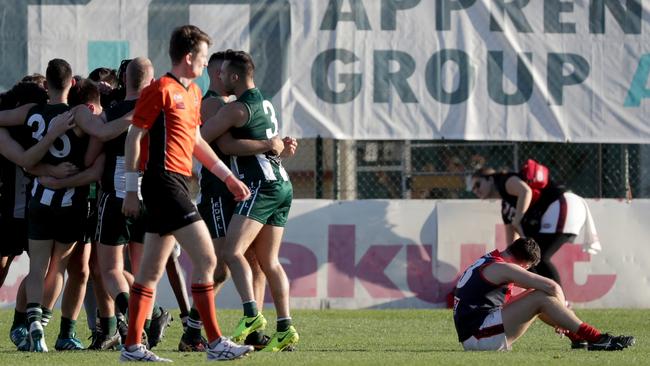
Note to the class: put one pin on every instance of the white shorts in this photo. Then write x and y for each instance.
(564, 216)
(491, 342)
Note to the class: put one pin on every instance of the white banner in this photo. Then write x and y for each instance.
(367, 69)
(408, 254)
(469, 70)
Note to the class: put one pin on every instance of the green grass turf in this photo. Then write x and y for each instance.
(372, 337)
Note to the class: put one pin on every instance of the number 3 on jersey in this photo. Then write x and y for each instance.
(40, 132)
(270, 111)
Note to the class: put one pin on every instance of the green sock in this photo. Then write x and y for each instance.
(250, 308)
(67, 329)
(283, 324)
(20, 318)
(108, 325)
(157, 311)
(147, 325)
(122, 302)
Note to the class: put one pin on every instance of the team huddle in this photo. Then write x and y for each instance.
(61, 136)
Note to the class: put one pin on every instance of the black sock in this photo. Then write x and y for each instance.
(255, 338)
(250, 308)
(20, 319)
(283, 324)
(122, 302)
(194, 324)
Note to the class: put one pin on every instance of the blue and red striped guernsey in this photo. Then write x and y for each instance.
(476, 297)
(171, 113)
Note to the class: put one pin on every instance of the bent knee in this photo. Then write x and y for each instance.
(207, 263)
(221, 274)
(151, 273)
(232, 257)
(548, 298)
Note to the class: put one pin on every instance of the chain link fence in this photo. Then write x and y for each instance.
(344, 169)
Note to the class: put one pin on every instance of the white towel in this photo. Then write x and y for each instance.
(591, 243)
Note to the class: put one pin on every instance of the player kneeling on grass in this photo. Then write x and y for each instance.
(487, 319)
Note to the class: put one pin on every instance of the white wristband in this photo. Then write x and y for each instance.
(132, 181)
(220, 170)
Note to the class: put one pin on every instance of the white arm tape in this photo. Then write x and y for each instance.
(221, 170)
(132, 181)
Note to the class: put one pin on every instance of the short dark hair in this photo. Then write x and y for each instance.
(104, 74)
(241, 62)
(85, 91)
(35, 78)
(218, 56)
(24, 92)
(186, 39)
(58, 74)
(29, 92)
(121, 72)
(525, 250)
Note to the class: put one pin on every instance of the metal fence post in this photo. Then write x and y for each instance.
(626, 173)
(406, 169)
(335, 171)
(600, 170)
(319, 167)
(348, 169)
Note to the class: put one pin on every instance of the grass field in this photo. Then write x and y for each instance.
(373, 337)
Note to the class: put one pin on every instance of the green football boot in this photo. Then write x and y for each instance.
(282, 340)
(248, 325)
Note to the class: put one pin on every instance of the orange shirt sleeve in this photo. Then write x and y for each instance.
(149, 106)
(199, 97)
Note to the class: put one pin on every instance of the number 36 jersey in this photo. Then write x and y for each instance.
(262, 124)
(66, 148)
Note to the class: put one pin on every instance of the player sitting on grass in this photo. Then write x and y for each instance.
(487, 319)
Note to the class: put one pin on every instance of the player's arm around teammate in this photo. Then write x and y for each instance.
(13, 151)
(216, 204)
(94, 125)
(263, 216)
(16, 116)
(204, 153)
(82, 178)
(77, 266)
(244, 147)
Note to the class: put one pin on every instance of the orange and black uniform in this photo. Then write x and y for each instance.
(171, 114)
